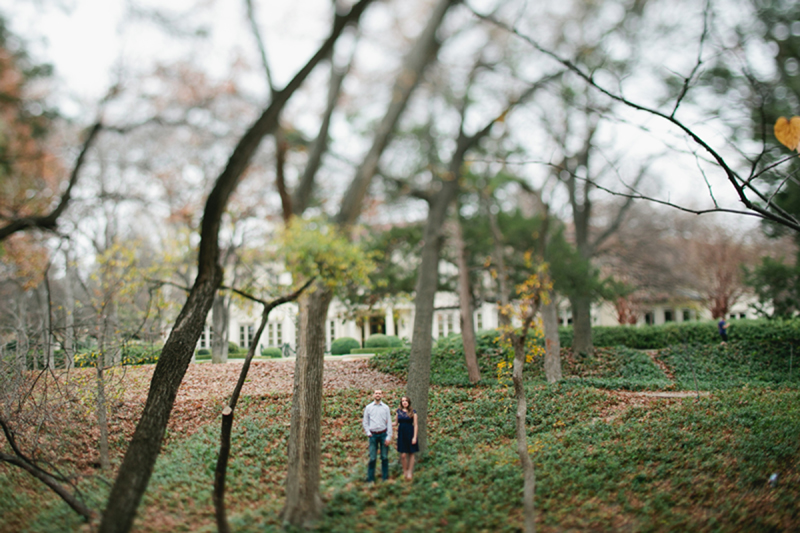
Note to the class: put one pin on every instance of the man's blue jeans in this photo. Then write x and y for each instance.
(375, 442)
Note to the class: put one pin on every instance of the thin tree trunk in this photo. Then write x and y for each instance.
(498, 257)
(528, 471)
(219, 325)
(102, 415)
(48, 354)
(552, 343)
(303, 505)
(465, 301)
(69, 313)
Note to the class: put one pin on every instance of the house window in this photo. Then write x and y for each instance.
(204, 338)
(648, 318)
(687, 315)
(668, 315)
(333, 330)
(440, 325)
(274, 334)
(479, 321)
(246, 333)
(450, 327)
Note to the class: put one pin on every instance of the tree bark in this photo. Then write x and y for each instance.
(581, 324)
(465, 301)
(552, 343)
(137, 466)
(528, 471)
(498, 256)
(303, 505)
(219, 325)
(102, 415)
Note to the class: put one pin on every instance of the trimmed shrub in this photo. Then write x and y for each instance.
(694, 332)
(233, 347)
(343, 345)
(380, 340)
(371, 350)
(273, 352)
(203, 351)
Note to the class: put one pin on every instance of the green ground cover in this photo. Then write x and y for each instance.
(607, 459)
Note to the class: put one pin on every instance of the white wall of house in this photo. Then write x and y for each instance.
(397, 318)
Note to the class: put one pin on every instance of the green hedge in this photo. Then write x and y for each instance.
(273, 352)
(657, 337)
(383, 341)
(371, 350)
(343, 345)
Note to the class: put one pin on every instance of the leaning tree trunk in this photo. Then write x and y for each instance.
(581, 325)
(528, 471)
(137, 466)
(303, 504)
(552, 343)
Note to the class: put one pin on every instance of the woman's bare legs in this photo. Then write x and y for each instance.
(404, 461)
(410, 471)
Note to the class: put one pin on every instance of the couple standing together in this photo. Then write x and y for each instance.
(378, 427)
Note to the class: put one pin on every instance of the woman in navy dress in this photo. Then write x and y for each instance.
(407, 436)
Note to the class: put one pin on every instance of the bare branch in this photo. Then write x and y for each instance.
(48, 222)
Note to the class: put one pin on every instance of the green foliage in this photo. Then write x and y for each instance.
(777, 287)
(735, 364)
(370, 350)
(140, 354)
(343, 345)
(664, 465)
(694, 332)
(203, 352)
(383, 341)
(273, 352)
(314, 248)
(233, 348)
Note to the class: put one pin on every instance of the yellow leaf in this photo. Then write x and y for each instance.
(788, 132)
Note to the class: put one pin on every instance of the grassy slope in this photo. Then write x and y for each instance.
(603, 462)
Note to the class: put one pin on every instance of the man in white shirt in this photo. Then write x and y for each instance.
(378, 427)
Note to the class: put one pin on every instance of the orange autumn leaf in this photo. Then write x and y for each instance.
(788, 132)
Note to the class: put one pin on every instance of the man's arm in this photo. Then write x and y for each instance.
(365, 422)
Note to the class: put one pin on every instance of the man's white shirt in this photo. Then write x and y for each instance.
(377, 417)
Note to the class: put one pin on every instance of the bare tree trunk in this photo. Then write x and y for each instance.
(498, 257)
(465, 301)
(582, 324)
(303, 504)
(552, 343)
(48, 354)
(227, 413)
(528, 471)
(69, 313)
(219, 325)
(102, 415)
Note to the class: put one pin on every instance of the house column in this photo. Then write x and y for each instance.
(389, 320)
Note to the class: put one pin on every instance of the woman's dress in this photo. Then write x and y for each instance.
(405, 432)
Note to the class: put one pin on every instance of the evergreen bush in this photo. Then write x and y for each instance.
(380, 340)
(343, 345)
(273, 352)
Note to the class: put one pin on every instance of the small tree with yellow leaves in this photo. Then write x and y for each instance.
(531, 295)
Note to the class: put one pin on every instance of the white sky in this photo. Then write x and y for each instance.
(86, 39)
